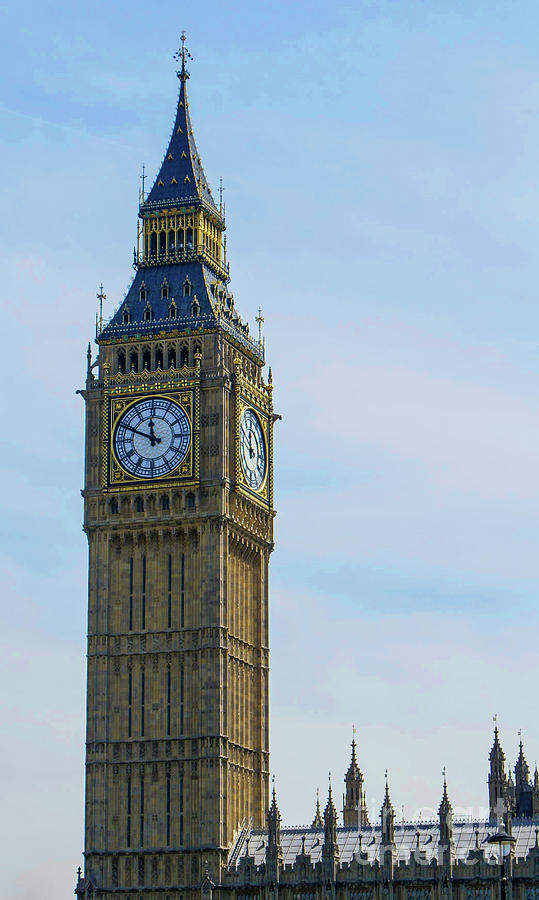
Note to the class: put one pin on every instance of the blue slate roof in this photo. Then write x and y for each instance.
(181, 178)
(152, 279)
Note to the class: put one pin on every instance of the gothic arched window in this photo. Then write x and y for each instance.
(126, 316)
(133, 361)
(139, 504)
(165, 502)
(171, 357)
(187, 288)
(162, 243)
(190, 500)
(172, 310)
(143, 293)
(164, 291)
(184, 355)
(114, 507)
(148, 313)
(146, 359)
(159, 358)
(121, 362)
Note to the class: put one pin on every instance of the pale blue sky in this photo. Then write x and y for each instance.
(380, 162)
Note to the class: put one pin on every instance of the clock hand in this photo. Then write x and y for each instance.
(251, 451)
(150, 437)
(153, 438)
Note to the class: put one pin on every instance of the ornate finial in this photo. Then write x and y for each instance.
(260, 320)
(180, 56)
(495, 720)
(444, 773)
(100, 296)
(329, 783)
(273, 787)
(303, 845)
(143, 181)
(79, 873)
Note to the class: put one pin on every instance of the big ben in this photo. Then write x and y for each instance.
(178, 512)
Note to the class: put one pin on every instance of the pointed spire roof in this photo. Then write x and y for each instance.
(181, 179)
(387, 817)
(330, 810)
(274, 815)
(318, 822)
(496, 750)
(522, 769)
(445, 803)
(353, 769)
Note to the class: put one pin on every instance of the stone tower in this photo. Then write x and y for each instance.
(178, 512)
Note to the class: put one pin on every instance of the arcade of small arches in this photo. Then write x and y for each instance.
(152, 503)
(152, 357)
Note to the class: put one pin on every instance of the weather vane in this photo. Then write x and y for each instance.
(182, 53)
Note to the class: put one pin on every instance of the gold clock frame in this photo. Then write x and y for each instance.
(119, 396)
(248, 396)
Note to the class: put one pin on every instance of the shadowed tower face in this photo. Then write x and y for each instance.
(178, 511)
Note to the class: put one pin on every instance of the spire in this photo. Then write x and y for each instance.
(522, 769)
(330, 849)
(497, 779)
(181, 179)
(318, 822)
(445, 816)
(354, 803)
(274, 850)
(387, 817)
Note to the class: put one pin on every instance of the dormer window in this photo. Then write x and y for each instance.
(148, 313)
(187, 287)
(143, 293)
(195, 306)
(172, 310)
(126, 316)
(164, 291)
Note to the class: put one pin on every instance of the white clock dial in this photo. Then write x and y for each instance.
(152, 437)
(252, 449)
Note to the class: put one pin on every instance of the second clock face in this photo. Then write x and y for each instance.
(152, 437)
(252, 449)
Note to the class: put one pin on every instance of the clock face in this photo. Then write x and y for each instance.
(252, 449)
(152, 437)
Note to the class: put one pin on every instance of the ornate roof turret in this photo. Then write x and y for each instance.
(181, 179)
(182, 275)
(318, 822)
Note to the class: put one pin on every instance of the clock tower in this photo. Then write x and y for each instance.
(178, 512)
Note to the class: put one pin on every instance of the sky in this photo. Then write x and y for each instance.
(380, 167)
